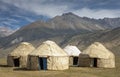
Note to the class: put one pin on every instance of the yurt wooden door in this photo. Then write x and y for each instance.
(42, 63)
(94, 62)
(75, 60)
(16, 62)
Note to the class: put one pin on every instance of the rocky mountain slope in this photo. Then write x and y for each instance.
(67, 29)
(67, 24)
(110, 38)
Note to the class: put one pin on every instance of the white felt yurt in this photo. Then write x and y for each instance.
(18, 57)
(48, 56)
(96, 55)
(73, 53)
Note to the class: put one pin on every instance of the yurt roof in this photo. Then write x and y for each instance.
(97, 50)
(72, 50)
(49, 48)
(23, 48)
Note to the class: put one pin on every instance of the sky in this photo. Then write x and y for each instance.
(17, 13)
(88, 8)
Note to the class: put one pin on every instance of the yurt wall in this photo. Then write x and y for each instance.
(18, 57)
(96, 55)
(48, 56)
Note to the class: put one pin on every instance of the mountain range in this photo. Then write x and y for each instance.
(13, 18)
(68, 29)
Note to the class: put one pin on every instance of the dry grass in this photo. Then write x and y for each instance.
(72, 72)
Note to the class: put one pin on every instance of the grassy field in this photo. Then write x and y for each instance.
(72, 72)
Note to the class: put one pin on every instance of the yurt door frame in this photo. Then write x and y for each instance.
(94, 62)
(42, 63)
(75, 60)
(16, 62)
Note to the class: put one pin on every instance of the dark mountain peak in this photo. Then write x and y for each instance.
(63, 15)
(69, 13)
(67, 17)
(74, 22)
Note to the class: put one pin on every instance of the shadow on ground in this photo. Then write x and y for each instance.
(3, 65)
(21, 69)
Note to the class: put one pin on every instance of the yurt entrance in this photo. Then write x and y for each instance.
(94, 62)
(75, 60)
(16, 62)
(42, 63)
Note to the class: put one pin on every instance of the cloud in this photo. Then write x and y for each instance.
(40, 7)
(24, 17)
(12, 20)
(97, 13)
(51, 8)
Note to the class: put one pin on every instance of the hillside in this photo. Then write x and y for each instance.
(74, 22)
(67, 24)
(110, 38)
(79, 31)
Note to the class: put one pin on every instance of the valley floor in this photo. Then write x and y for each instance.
(72, 72)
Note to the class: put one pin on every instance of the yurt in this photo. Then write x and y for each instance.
(18, 57)
(73, 53)
(96, 55)
(48, 56)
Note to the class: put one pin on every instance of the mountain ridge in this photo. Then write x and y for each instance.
(61, 30)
